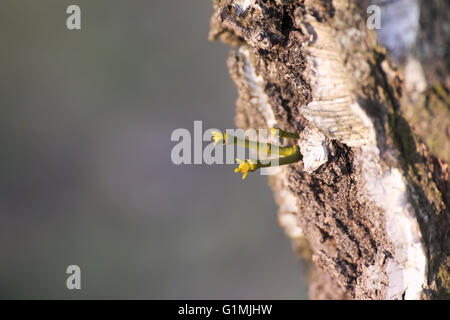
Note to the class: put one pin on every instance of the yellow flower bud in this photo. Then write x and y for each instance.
(275, 132)
(217, 137)
(245, 167)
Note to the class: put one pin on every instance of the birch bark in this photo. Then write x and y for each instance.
(369, 204)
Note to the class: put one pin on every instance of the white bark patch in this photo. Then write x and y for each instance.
(288, 221)
(406, 271)
(387, 189)
(415, 81)
(255, 84)
(374, 275)
(287, 204)
(313, 149)
(242, 5)
(331, 86)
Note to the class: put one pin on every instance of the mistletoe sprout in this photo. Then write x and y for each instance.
(286, 155)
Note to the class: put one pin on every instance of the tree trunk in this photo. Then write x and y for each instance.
(368, 205)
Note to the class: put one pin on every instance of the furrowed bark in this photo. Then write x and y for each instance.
(369, 204)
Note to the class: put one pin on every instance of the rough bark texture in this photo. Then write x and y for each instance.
(369, 203)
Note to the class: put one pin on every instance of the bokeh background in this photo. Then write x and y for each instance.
(85, 171)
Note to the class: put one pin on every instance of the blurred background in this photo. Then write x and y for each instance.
(86, 176)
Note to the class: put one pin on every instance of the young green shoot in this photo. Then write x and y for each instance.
(286, 155)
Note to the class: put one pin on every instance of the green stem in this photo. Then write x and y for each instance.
(267, 148)
(284, 134)
(292, 158)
